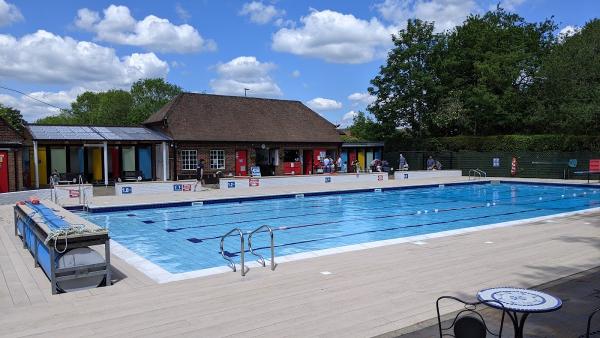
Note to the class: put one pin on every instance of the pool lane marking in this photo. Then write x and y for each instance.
(325, 213)
(388, 229)
(351, 197)
(368, 209)
(291, 227)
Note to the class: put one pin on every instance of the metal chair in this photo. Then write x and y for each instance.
(588, 334)
(468, 322)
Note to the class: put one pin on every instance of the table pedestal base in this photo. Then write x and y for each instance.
(518, 324)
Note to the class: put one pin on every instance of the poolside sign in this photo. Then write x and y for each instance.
(255, 171)
(253, 182)
(126, 190)
(327, 179)
(73, 193)
(405, 176)
(231, 184)
(495, 162)
(177, 187)
(380, 177)
(187, 187)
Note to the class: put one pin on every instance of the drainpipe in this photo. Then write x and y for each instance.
(105, 146)
(165, 158)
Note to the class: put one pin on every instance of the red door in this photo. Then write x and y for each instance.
(241, 163)
(351, 159)
(307, 159)
(3, 171)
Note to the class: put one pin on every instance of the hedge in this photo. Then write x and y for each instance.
(499, 143)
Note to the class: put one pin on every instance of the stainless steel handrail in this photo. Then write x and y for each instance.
(261, 259)
(229, 260)
(479, 172)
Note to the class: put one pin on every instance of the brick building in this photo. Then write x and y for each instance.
(232, 133)
(11, 166)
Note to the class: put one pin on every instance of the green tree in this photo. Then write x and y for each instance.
(406, 87)
(12, 116)
(363, 128)
(149, 95)
(117, 107)
(569, 89)
(491, 61)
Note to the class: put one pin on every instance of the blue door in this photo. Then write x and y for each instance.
(145, 158)
(344, 156)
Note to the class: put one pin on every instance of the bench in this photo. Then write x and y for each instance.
(133, 175)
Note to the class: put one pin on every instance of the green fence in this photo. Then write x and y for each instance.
(530, 164)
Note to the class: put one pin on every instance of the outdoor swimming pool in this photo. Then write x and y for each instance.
(183, 239)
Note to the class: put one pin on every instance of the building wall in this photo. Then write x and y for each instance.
(12, 141)
(203, 151)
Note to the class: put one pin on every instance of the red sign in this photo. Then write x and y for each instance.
(595, 165)
(187, 187)
(253, 182)
(73, 193)
(380, 177)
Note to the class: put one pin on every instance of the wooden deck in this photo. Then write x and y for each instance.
(368, 292)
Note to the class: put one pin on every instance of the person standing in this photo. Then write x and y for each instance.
(339, 163)
(402, 163)
(326, 164)
(199, 173)
(430, 163)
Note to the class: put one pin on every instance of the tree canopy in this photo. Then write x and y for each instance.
(12, 116)
(494, 74)
(117, 107)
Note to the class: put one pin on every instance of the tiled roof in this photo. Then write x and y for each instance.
(204, 117)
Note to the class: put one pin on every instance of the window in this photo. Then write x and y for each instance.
(217, 159)
(189, 159)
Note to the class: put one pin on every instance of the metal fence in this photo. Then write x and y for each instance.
(558, 165)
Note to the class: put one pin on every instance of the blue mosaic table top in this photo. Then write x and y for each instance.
(520, 300)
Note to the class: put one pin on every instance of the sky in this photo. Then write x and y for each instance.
(323, 53)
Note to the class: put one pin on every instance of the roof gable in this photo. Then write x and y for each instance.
(204, 117)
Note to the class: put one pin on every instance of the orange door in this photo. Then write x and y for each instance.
(241, 163)
(3, 171)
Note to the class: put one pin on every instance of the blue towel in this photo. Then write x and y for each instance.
(52, 220)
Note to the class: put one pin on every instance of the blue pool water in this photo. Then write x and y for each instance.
(181, 239)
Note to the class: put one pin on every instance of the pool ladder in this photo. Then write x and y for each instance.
(261, 260)
(479, 172)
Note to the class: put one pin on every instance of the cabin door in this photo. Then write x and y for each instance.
(241, 163)
(3, 171)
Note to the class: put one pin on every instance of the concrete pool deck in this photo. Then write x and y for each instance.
(366, 293)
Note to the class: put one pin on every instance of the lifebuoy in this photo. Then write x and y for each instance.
(513, 167)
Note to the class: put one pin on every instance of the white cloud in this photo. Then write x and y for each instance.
(568, 31)
(260, 13)
(33, 110)
(361, 98)
(152, 33)
(445, 13)
(322, 104)
(296, 73)
(335, 37)
(182, 13)
(9, 13)
(43, 57)
(348, 119)
(245, 72)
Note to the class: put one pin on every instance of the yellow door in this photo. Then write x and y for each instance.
(97, 164)
(43, 166)
(361, 159)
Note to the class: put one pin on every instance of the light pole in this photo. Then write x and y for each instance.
(245, 91)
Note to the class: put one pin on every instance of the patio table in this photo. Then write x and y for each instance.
(522, 301)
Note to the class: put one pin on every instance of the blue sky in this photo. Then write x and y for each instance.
(323, 53)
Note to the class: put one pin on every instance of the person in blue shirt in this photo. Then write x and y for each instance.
(430, 163)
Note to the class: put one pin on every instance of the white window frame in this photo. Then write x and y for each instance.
(189, 159)
(217, 159)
